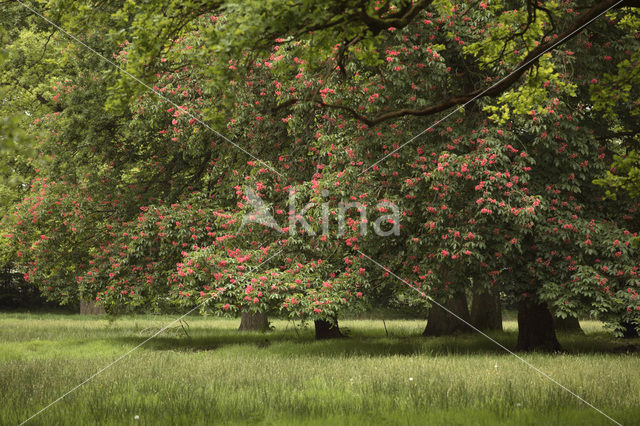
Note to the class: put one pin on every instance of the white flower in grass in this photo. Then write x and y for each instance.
(136, 417)
(411, 379)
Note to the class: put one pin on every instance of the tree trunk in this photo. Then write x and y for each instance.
(569, 324)
(629, 331)
(327, 329)
(253, 322)
(90, 308)
(486, 309)
(536, 331)
(442, 323)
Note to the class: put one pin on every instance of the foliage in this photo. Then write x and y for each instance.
(140, 194)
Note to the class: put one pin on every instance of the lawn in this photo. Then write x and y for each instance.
(218, 375)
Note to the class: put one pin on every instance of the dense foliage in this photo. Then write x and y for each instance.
(484, 124)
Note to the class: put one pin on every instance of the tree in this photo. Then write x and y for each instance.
(569, 324)
(443, 323)
(143, 226)
(486, 309)
(320, 108)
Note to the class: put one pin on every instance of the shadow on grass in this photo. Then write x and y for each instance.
(304, 344)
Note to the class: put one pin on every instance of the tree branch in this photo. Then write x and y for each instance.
(504, 84)
(399, 19)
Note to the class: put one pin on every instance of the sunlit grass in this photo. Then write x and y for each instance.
(217, 375)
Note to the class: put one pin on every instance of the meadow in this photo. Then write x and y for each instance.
(209, 373)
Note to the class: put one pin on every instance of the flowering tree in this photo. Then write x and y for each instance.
(147, 200)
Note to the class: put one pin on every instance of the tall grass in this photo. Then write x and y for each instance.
(214, 374)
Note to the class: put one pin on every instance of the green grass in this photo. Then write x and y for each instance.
(217, 375)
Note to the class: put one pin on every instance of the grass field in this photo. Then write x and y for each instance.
(219, 376)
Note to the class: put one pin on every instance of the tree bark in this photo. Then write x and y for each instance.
(90, 308)
(327, 329)
(536, 331)
(568, 324)
(486, 309)
(253, 322)
(442, 323)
